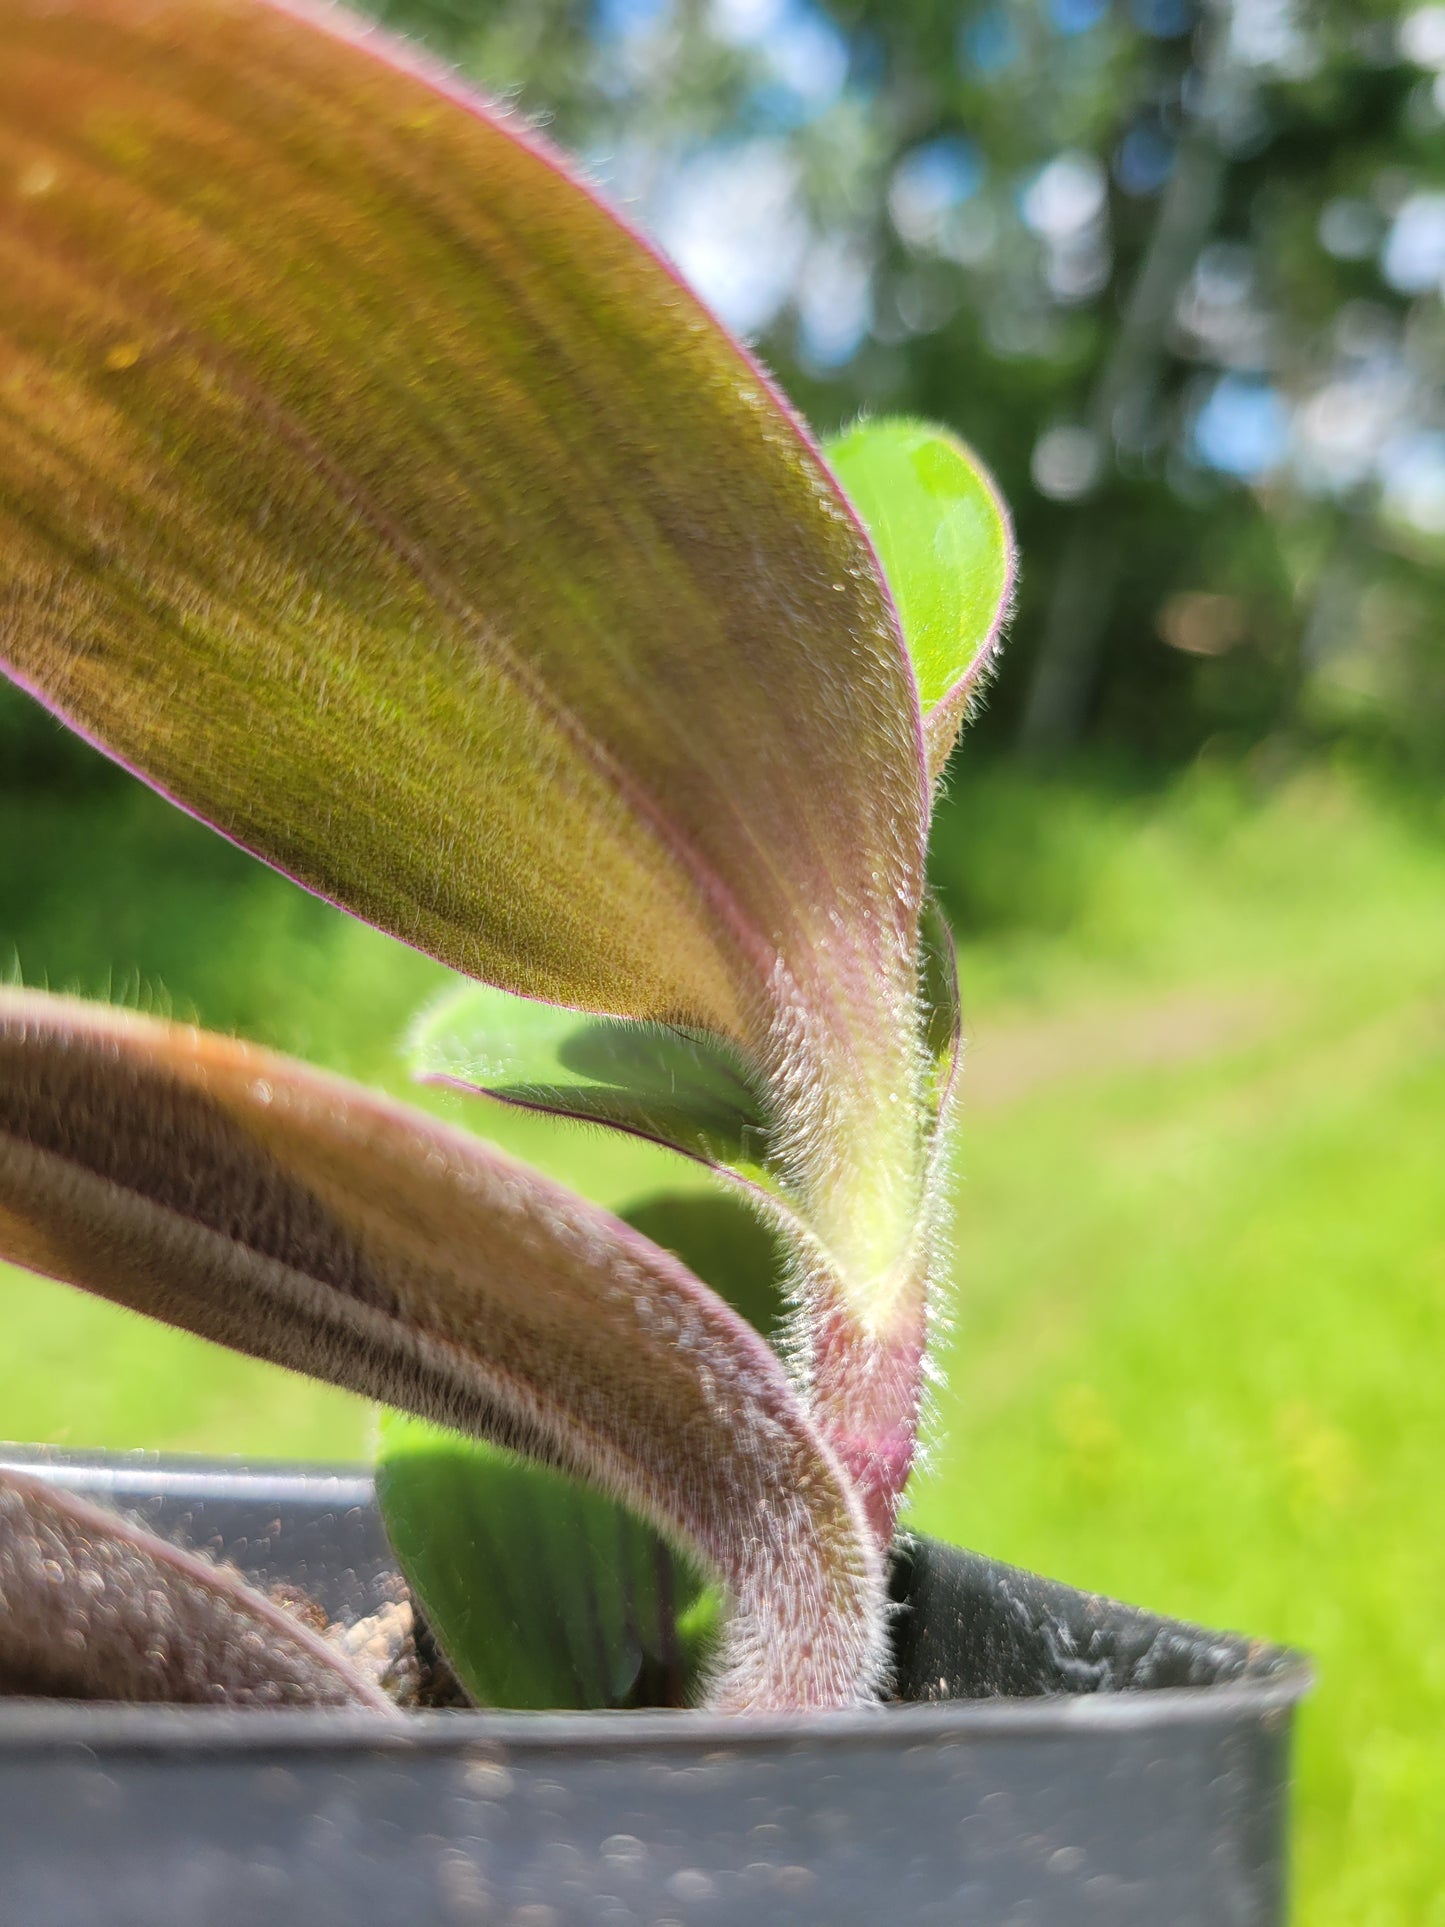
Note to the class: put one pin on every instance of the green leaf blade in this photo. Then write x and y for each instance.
(684, 1089)
(943, 535)
(542, 1592)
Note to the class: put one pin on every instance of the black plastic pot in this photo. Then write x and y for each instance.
(1063, 1761)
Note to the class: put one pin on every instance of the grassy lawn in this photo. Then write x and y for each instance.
(1201, 1259)
(1199, 1332)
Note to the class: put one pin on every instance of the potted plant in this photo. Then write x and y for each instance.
(376, 495)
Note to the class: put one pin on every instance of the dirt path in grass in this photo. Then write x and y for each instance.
(1008, 1060)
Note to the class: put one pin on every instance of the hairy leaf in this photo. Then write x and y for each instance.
(725, 1243)
(542, 1592)
(945, 540)
(368, 487)
(298, 1218)
(685, 1089)
(94, 1607)
(377, 495)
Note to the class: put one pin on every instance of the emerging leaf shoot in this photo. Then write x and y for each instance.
(943, 535)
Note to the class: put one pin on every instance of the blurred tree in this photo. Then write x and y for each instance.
(1174, 268)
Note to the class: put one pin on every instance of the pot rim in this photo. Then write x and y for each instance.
(36, 1725)
(30, 1725)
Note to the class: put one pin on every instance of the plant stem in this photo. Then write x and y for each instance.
(867, 1396)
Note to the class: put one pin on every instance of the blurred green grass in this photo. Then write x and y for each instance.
(1199, 1333)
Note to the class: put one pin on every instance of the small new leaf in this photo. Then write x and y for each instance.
(542, 1591)
(945, 540)
(685, 1089)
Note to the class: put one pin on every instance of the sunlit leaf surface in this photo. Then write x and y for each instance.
(944, 538)
(366, 485)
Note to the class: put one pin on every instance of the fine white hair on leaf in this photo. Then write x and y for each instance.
(259, 1203)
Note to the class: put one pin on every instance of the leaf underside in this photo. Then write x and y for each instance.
(370, 489)
(684, 1089)
(300, 1219)
(944, 538)
(93, 1607)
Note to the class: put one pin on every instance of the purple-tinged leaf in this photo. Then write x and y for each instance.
(944, 537)
(377, 495)
(301, 1219)
(541, 1591)
(94, 1607)
(368, 487)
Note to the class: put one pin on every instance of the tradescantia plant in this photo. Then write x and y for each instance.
(372, 492)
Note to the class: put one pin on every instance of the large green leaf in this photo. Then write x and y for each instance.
(293, 1216)
(944, 538)
(682, 1088)
(367, 486)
